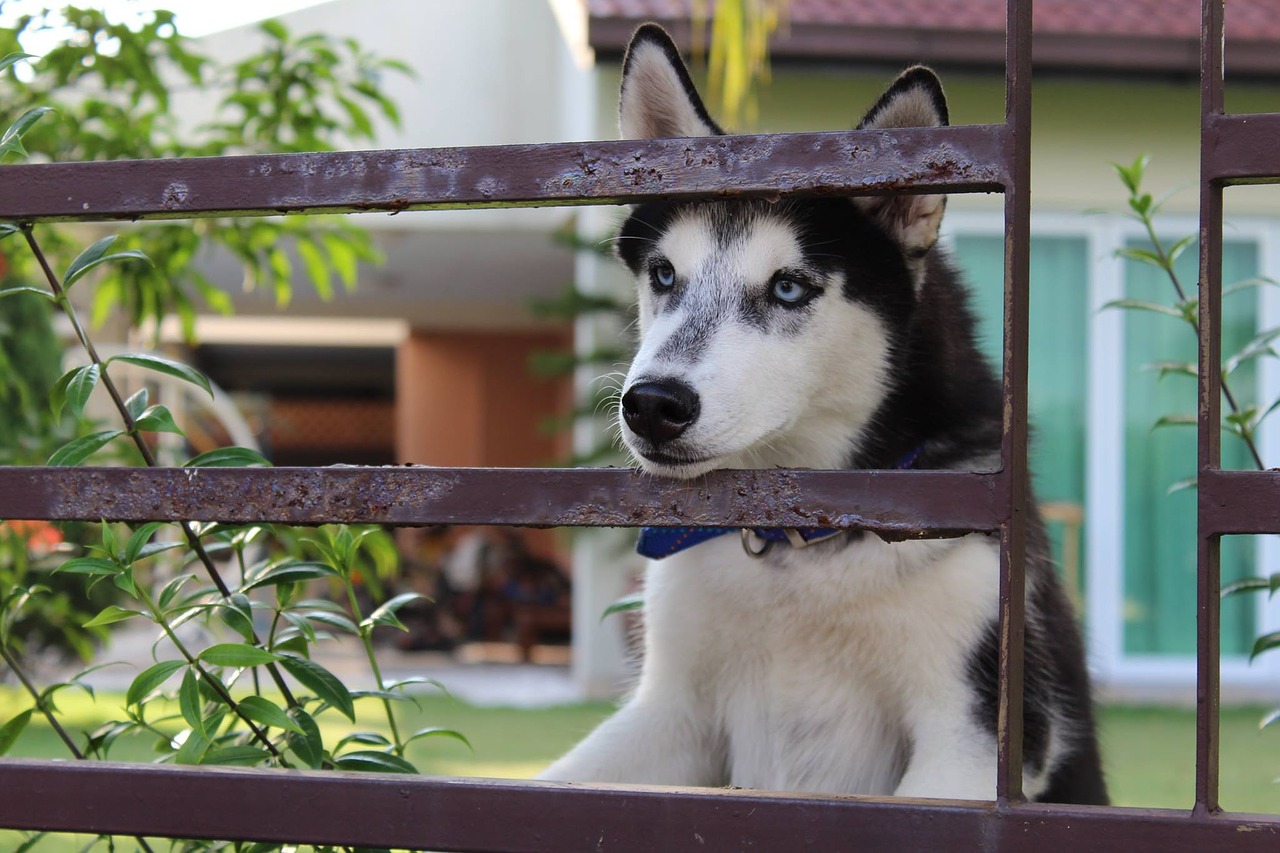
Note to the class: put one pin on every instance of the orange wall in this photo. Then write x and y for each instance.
(468, 399)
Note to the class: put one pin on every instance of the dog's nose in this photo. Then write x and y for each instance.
(660, 411)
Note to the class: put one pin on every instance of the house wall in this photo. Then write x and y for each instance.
(466, 399)
(1079, 127)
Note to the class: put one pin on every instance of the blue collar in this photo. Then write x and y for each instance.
(659, 542)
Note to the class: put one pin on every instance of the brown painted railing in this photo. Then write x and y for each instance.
(454, 814)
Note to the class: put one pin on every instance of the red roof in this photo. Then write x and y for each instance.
(1158, 35)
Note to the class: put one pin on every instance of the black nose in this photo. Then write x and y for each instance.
(660, 411)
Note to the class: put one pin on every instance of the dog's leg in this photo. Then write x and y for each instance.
(644, 743)
(951, 757)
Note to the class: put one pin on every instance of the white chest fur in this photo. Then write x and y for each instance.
(815, 669)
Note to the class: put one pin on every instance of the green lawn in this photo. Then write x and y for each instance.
(1149, 752)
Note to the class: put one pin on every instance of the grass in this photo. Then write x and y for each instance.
(1149, 752)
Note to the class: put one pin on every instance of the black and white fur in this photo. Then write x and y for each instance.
(821, 333)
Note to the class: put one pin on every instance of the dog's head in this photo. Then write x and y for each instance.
(767, 330)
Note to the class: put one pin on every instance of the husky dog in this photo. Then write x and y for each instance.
(820, 333)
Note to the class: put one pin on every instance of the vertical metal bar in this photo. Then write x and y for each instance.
(1209, 611)
(1017, 218)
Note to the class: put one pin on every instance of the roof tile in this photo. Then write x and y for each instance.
(1247, 20)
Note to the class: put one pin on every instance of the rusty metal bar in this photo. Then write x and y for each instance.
(1013, 445)
(1238, 502)
(493, 815)
(951, 159)
(1208, 607)
(1240, 149)
(896, 504)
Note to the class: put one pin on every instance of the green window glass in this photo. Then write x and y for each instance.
(1057, 372)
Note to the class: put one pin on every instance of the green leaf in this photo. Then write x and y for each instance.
(401, 683)
(436, 732)
(1244, 585)
(624, 605)
(324, 683)
(237, 613)
(171, 589)
(275, 29)
(193, 748)
(95, 256)
(1139, 305)
(124, 580)
(190, 703)
(158, 419)
(268, 713)
(11, 139)
(139, 538)
(241, 755)
(308, 746)
(1131, 175)
(73, 388)
(371, 761)
(291, 573)
(1265, 643)
(75, 452)
(90, 566)
(168, 367)
(151, 549)
(9, 731)
(137, 402)
(236, 654)
(317, 269)
(110, 615)
(1175, 420)
(228, 457)
(386, 614)
(1185, 483)
(1245, 284)
(150, 679)
(334, 620)
(1166, 368)
(5, 231)
(367, 738)
(12, 58)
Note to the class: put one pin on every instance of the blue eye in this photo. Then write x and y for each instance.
(789, 291)
(663, 276)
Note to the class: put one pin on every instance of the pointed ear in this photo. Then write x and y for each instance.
(658, 98)
(915, 99)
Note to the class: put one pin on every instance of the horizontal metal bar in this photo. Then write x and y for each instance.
(955, 159)
(898, 504)
(489, 815)
(1241, 148)
(1239, 502)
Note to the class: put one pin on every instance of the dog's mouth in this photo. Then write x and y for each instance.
(671, 462)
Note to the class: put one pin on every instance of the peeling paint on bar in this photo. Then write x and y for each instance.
(897, 505)
(954, 159)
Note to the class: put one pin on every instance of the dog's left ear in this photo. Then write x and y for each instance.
(915, 99)
(658, 97)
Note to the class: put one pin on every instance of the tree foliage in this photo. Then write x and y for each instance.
(737, 52)
(109, 90)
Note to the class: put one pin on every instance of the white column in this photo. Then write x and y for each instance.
(1104, 457)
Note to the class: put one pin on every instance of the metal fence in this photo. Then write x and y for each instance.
(458, 814)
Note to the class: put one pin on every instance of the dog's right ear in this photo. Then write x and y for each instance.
(658, 98)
